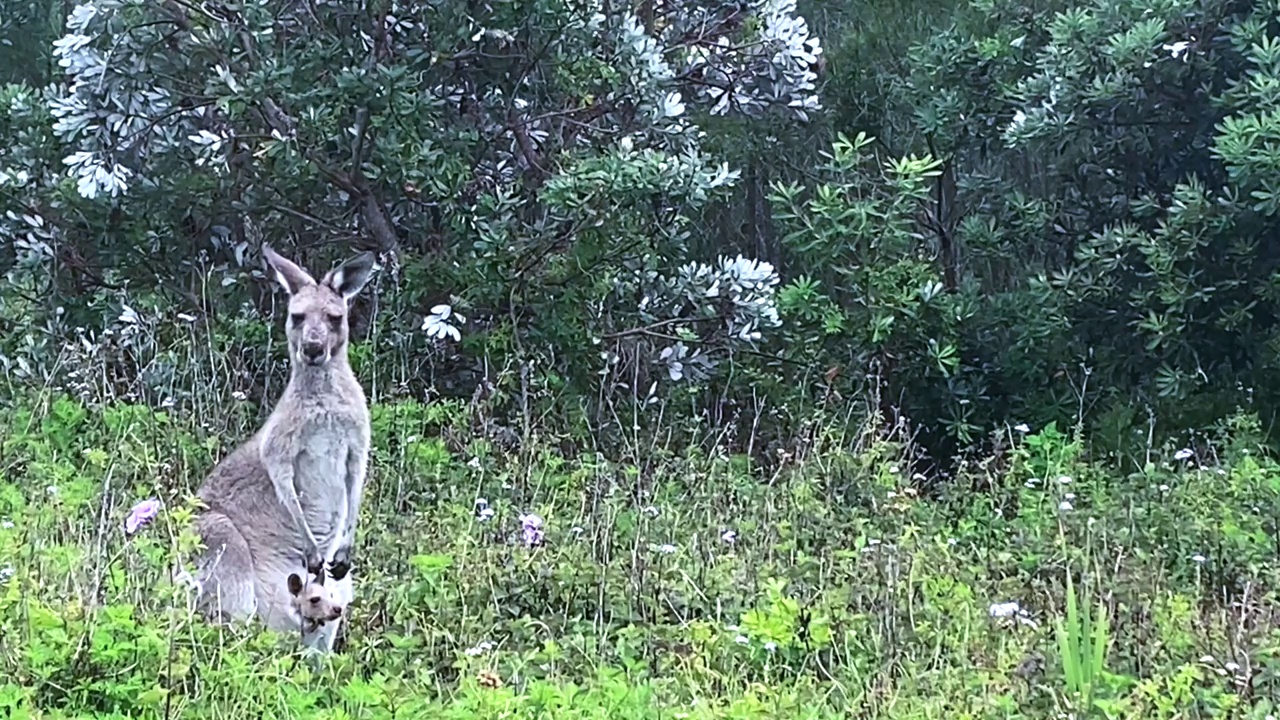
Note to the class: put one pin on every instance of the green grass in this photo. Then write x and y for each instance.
(841, 592)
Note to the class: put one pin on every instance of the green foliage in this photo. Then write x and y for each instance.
(1083, 641)
(892, 313)
(1007, 212)
(703, 587)
(1156, 268)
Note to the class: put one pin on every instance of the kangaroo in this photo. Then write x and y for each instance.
(313, 603)
(291, 493)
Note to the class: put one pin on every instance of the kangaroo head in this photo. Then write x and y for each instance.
(313, 602)
(317, 325)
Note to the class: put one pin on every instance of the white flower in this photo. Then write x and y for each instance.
(1198, 558)
(81, 16)
(1064, 479)
(1183, 454)
(770, 646)
(741, 640)
(1004, 609)
(437, 323)
(1177, 49)
(480, 649)
(666, 548)
(204, 138)
(673, 356)
(748, 274)
(1065, 505)
(68, 46)
(1022, 428)
(729, 536)
(1011, 610)
(6, 572)
(671, 105)
(93, 177)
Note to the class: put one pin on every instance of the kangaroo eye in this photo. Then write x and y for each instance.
(335, 320)
(315, 601)
(298, 318)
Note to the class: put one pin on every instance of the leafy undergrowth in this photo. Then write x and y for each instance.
(686, 587)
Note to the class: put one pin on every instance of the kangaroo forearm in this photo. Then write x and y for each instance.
(282, 479)
(356, 469)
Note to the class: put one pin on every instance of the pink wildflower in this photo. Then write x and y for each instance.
(141, 514)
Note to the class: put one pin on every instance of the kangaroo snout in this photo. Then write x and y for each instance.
(324, 608)
(314, 353)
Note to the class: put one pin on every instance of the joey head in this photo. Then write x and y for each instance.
(313, 602)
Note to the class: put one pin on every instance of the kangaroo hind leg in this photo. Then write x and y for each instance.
(224, 570)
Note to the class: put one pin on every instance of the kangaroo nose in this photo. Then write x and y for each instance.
(313, 352)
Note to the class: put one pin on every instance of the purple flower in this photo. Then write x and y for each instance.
(531, 524)
(141, 514)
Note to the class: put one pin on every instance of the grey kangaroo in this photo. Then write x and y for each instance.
(291, 493)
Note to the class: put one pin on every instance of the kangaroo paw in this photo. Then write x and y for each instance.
(341, 563)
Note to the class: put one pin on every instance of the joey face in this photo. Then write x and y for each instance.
(313, 601)
(317, 326)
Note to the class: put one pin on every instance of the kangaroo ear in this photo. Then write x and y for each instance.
(295, 584)
(350, 277)
(291, 277)
(319, 577)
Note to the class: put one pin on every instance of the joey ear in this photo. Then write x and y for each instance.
(295, 584)
(286, 272)
(350, 277)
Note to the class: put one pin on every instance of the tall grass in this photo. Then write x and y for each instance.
(683, 580)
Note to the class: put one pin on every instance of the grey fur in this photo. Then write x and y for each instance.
(289, 496)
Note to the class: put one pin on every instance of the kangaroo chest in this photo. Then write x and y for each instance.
(325, 447)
